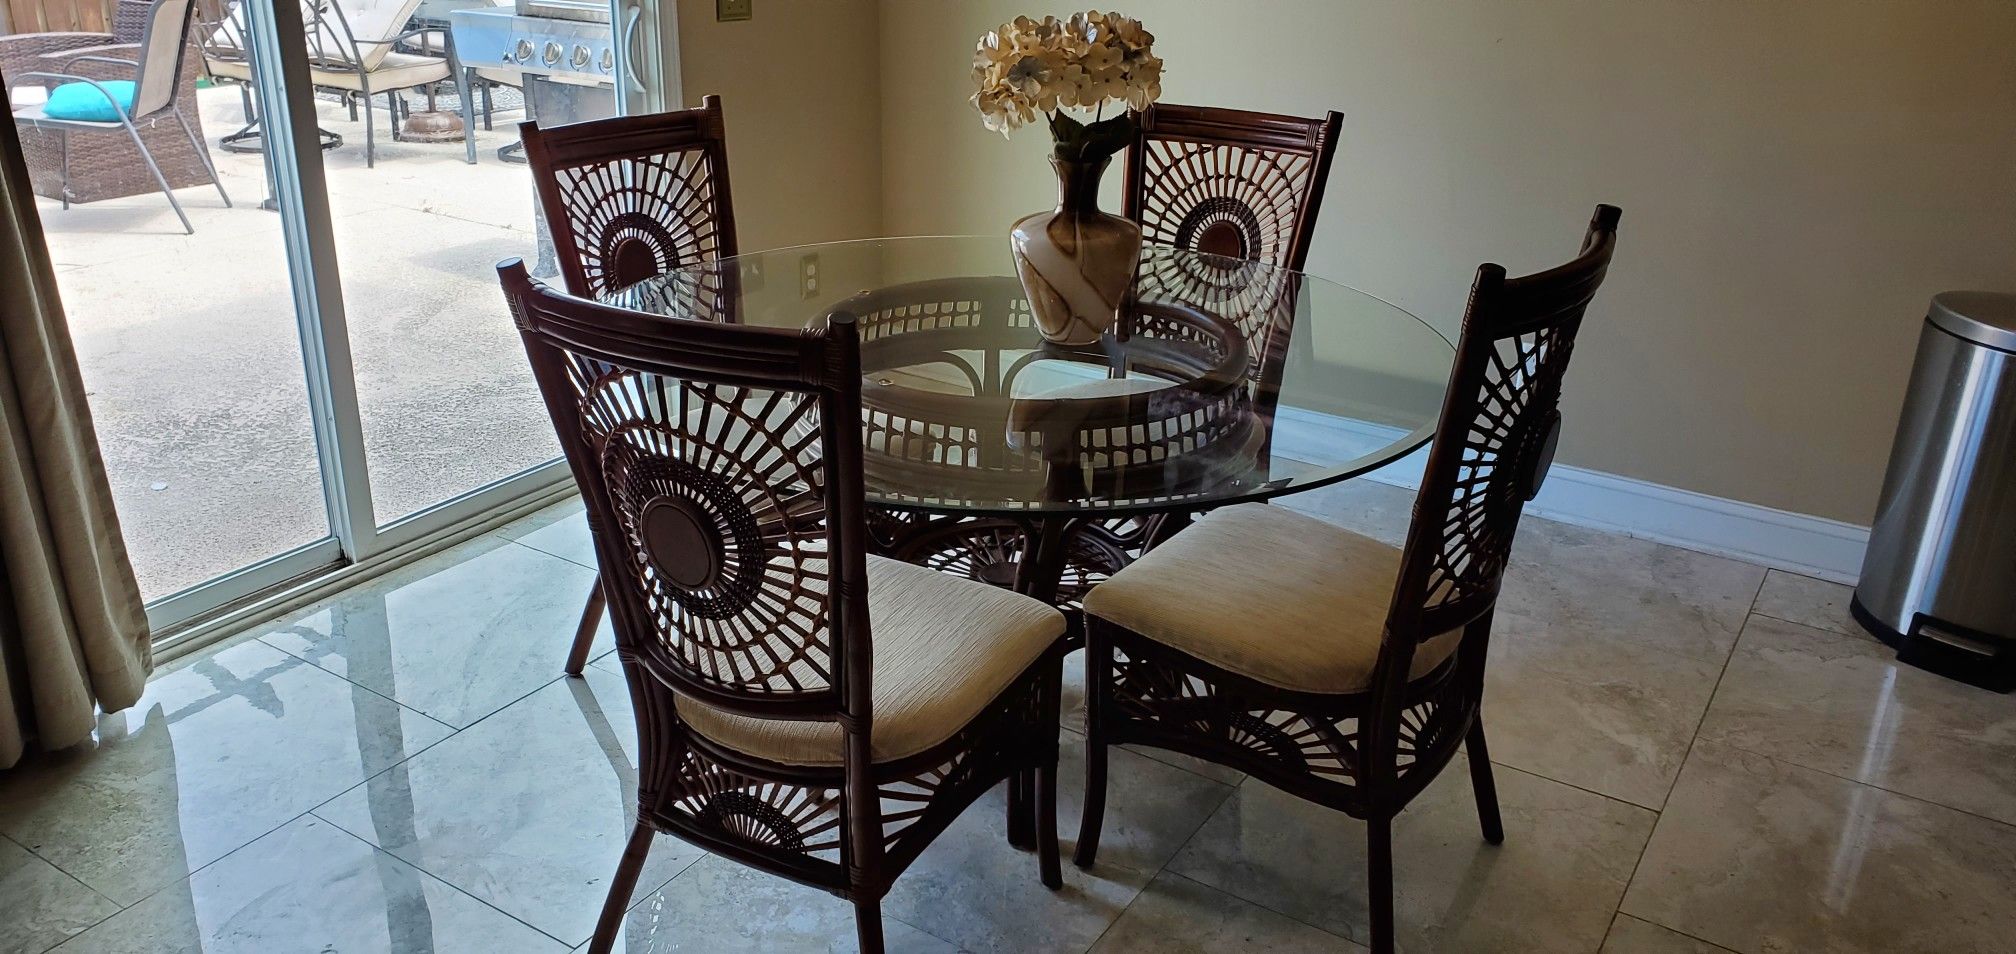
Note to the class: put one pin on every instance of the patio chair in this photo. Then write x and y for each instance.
(353, 48)
(157, 62)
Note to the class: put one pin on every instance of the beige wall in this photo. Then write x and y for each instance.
(799, 83)
(1798, 177)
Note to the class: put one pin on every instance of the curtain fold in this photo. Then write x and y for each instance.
(73, 631)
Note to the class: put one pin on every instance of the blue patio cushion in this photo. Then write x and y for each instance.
(83, 101)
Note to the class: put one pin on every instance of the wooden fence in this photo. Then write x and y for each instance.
(49, 16)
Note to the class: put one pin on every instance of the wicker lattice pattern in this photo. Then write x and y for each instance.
(807, 817)
(633, 218)
(1514, 408)
(1162, 695)
(991, 550)
(1235, 200)
(721, 517)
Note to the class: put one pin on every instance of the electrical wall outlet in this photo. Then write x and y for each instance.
(726, 10)
(808, 274)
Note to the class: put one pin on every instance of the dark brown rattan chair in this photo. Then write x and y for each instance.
(627, 199)
(1256, 637)
(801, 707)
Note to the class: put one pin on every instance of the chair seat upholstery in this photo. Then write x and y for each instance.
(945, 647)
(395, 71)
(1269, 594)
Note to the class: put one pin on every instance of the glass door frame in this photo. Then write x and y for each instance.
(358, 546)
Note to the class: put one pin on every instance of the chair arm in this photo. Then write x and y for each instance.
(24, 51)
(70, 62)
(105, 61)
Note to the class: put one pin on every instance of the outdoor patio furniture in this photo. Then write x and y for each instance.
(113, 166)
(155, 65)
(361, 48)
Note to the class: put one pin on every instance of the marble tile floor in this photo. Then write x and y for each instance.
(1693, 755)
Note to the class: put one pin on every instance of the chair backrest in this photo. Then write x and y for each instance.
(635, 196)
(721, 467)
(1494, 443)
(161, 54)
(1230, 182)
(221, 31)
(354, 35)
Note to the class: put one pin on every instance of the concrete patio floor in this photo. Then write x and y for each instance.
(189, 346)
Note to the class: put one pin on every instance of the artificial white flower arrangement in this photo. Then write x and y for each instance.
(1030, 68)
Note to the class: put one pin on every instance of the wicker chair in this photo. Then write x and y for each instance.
(156, 66)
(1327, 664)
(627, 199)
(801, 707)
(1242, 185)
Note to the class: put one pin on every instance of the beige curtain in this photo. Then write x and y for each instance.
(73, 633)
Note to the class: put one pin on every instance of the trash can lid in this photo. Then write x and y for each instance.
(1987, 318)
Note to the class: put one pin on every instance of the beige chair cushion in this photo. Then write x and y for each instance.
(395, 71)
(1269, 594)
(228, 69)
(945, 646)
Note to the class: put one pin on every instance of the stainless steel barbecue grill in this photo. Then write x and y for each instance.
(568, 41)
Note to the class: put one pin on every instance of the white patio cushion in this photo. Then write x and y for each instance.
(369, 20)
(1269, 594)
(228, 69)
(944, 647)
(395, 71)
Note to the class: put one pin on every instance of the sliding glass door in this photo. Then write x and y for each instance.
(321, 373)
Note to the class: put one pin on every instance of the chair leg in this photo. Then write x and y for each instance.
(158, 177)
(203, 153)
(1021, 810)
(1046, 824)
(370, 136)
(584, 636)
(462, 99)
(1482, 783)
(1379, 882)
(868, 925)
(620, 888)
(1098, 665)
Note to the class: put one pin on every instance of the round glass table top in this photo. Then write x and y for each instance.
(1221, 380)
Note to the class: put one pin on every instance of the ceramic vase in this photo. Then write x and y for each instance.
(1075, 261)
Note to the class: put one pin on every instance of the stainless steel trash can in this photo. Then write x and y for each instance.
(1939, 580)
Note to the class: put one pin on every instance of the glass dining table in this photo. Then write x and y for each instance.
(992, 453)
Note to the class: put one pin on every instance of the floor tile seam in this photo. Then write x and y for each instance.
(452, 886)
(32, 853)
(1621, 913)
(1260, 903)
(2000, 823)
(1298, 920)
(116, 906)
(246, 843)
(452, 730)
(149, 896)
(597, 567)
(1716, 690)
(1080, 733)
(452, 734)
(1693, 739)
(1818, 629)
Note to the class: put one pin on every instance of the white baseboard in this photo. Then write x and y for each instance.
(1795, 542)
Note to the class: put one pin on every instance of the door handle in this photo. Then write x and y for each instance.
(631, 18)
